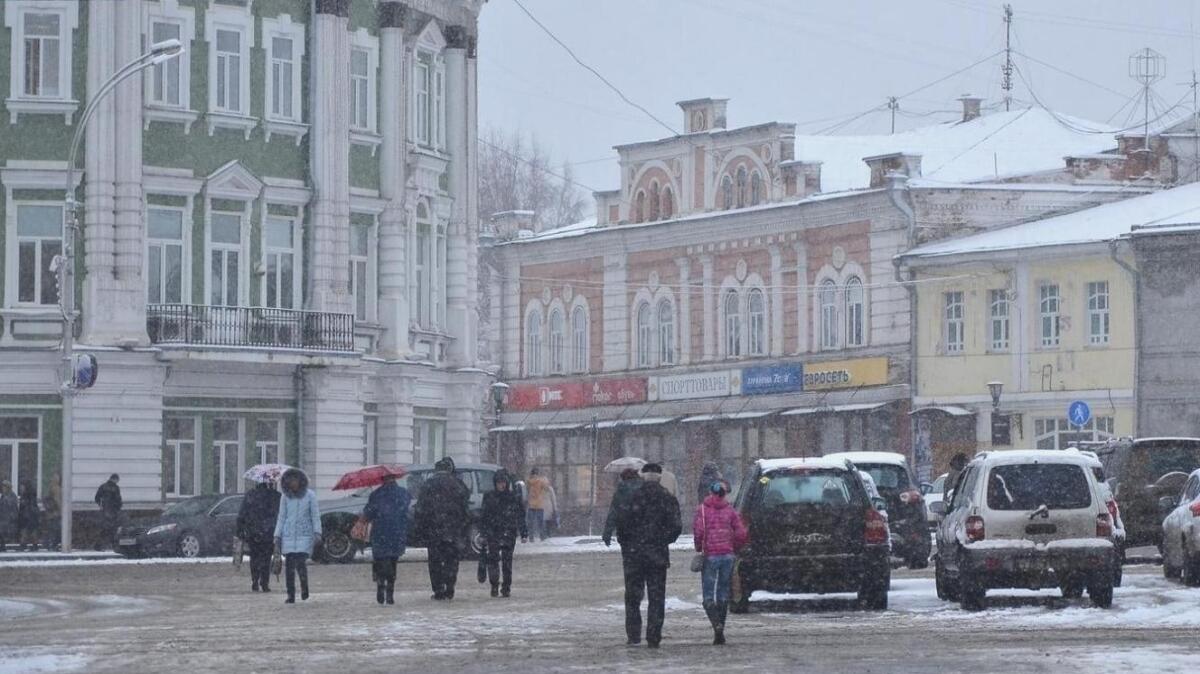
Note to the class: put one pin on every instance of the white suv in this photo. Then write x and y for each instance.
(1026, 519)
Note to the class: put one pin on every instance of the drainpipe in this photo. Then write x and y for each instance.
(898, 194)
(1136, 277)
(298, 387)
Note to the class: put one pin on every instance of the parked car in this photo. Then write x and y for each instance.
(907, 516)
(1181, 533)
(338, 515)
(812, 528)
(1141, 472)
(1114, 509)
(1026, 519)
(933, 492)
(194, 527)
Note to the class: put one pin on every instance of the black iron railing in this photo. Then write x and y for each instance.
(258, 327)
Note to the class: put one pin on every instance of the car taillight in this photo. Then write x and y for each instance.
(1103, 525)
(912, 496)
(1195, 508)
(876, 532)
(975, 531)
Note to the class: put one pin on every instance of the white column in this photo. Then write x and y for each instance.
(464, 419)
(458, 309)
(777, 346)
(473, 224)
(802, 295)
(333, 426)
(393, 230)
(616, 314)
(396, 420)
(126, 317)
(100, 168)
(684, 329)
(710, 309)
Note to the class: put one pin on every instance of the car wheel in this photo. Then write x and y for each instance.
(947, 588)
(1101, 592)
(1191, 567)
(337, 546)
(739, 592)
(972, 595)
(1072, 588)
(189, 545)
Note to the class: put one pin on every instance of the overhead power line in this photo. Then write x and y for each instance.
(543, 169)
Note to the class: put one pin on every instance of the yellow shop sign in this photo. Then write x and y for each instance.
(837, 374)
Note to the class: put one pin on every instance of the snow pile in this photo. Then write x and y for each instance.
(110, 561)
(30, 662)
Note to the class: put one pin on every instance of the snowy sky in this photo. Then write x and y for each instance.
(812, 62)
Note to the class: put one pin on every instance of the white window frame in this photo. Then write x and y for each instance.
(370, 438)
(1049, 312)
(169, 11)
(557, 340)
(185, 293)
(431, 101)
(172, 445)
(643, 317)
(368, 135)
(827, 314)
(261, 446)
(664, 317)
(1098, 313)
(954, 321)
(429, 438)
(1059, 430)
(756, 323)
(13, 258)
(218, 450)
(999, 320)
(242, 248)
(371, 259)
(296, 251)
(288, 125)
(580, 339)
(18, 101)
(734, 345)
(13, 475)
(240, 20)
(534, 365)
(856, 312)
(429, 278)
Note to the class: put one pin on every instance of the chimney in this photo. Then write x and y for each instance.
(506, 225)
(898, 162)
(970, 106)
(703, 114)
(800, 178)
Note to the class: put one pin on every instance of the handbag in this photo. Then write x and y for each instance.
(361, 531)
(238, 552)
(277, 564)
(699, 558)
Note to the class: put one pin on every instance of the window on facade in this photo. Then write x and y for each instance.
(727, 193)
(645, 335)
(225, 459)
(733, 324)
(755, 189)
(229, 71)
(280, 257)
(639, 206)
(179, 456)
(579, 340)
(164, 256)
(953, 319)
(268, 438)
(533, 344)
(668, 203)
(166, 84)
(827, 300)
(742, 187)
(225, 257)
(360, 265)
(43, 53)
(370, 440)
(756, 309)
(1097, 294)
(557, 342)
(20, 449)
(429, 100)
(1048, 306)
(655, 204)
(429, 439)
(422, 270)
(360, 88)
(998, 310)
(666, 333)
(39, 240)
(422, 82)
(1053, 433)
(855, 312)
(283, 70)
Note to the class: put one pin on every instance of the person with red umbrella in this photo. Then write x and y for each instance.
(387, 511)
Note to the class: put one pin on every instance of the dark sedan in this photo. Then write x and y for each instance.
(195, 527)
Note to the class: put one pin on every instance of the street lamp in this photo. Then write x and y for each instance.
(159, 52)
(995, 388)
(499, 393)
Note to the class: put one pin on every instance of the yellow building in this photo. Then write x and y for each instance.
(1046, 309)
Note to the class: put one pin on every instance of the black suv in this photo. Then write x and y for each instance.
(813, 528)
(907, 517)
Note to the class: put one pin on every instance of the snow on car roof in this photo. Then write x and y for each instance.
(870, 457)
(771, 465)
(1006, 456)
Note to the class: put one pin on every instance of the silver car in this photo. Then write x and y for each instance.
(1181, 533)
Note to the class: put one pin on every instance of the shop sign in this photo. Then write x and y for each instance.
(786, 378)
(575, 394)
(845, 374)
(618, 391)
(696, 385)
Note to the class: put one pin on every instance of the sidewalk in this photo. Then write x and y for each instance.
(12, 555)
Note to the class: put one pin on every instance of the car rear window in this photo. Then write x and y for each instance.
(815, 487)
(1027, 486)
(886, 475)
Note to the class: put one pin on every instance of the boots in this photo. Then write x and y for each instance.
(719, 631)
(379, 592)
(390, 591)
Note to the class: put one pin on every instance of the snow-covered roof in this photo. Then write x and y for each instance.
(771, 465)
(856, 458)
(1176, 206)
(575, 229)
(1010, 456)
(997, 144)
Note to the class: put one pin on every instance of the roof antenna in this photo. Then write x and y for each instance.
(1006, 83)
(1147, 66)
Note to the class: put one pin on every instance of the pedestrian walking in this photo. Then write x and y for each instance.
(650, 523)
(539, 496)
(630, 482)
(387, 511)
(719, 533)
(256, 528)
(551, 520)
(297, 529)
(9, 507)
(29, 516)
(442, 516)
(51, 522)
(108, 497)
(709, 474)
(503, 517)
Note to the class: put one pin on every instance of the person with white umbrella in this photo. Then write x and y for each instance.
(256, 526)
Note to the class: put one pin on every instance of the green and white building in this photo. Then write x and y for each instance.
(277, 259)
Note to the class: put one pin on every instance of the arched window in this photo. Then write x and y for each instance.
(855, 331)
(533, 343)
(755, 189)
(727, 193)
(668, 203)
(579, 340)
(639, 206)
(654, 203)
(666, 333)
(733, 324)
(558, 363)
(645, 335)
(741, 187)
(827, 297)
(756, 343)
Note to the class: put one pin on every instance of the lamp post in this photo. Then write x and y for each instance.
(595, 446)
(65, 265)
(499, 393)
(995, 388)
(1001, 426)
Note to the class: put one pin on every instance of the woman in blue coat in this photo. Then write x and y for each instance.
(297, 529)
(387, 511)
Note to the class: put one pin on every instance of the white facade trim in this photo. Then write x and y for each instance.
(367, 135)
(170, 11)
(241, 21)
(18, 101)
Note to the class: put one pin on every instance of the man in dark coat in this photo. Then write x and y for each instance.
(387, 511)
(108, 497)
(9, 508)
(630, 482)
(29, 516)
(502, 519)
(651, 524)
(442, 516)
(256, 527)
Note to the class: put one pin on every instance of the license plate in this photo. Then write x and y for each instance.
(1030, 565)
(127, 541)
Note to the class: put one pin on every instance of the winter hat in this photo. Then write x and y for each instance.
(629, 474)
(444, 463)
(652, 468)
(718, 488)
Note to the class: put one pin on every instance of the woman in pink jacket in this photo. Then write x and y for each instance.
(719, 533)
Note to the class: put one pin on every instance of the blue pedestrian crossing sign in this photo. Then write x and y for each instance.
(1078, 413)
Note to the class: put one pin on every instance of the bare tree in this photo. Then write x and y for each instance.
(515, 174)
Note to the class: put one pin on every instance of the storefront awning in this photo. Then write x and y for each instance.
(507, 429)
(952, 410)
(855, 407)
(537, 427)
(730, 416)
(647, 421)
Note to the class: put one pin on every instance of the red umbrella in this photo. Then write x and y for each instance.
(370, 476)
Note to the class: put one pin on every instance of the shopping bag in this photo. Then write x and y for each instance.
(238, 552)
(361, 531)
(277, 564)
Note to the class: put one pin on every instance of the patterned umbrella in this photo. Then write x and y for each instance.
(370, 476)
(619, 465)
(265, 472)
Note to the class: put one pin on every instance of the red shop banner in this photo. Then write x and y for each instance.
(575, 394)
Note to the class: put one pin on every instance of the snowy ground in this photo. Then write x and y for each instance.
(566, 615)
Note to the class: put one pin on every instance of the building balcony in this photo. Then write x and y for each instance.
(249, 327)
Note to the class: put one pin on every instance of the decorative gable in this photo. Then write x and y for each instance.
(430, 38)
(233, 181)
